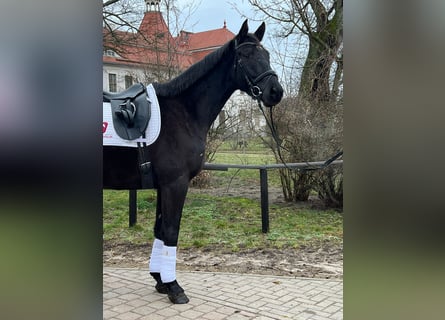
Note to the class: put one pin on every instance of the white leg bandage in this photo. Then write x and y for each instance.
(156, 256)
(168, 270)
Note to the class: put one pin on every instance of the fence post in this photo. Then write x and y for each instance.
(132, 198)
(264, 201)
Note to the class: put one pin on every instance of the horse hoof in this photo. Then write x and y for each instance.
(176, 293)
(178, 298)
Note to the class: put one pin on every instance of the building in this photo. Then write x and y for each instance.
(154, 54)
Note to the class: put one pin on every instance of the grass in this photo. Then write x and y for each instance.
(231, 223)
(244, 158)
(253, 145)
(243, 176)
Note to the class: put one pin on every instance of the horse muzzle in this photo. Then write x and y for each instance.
(272, 93)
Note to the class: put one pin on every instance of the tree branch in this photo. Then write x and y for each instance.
(301, 9)
(109, 2)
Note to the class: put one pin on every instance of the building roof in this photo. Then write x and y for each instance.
(155, 45)
(154, 28)
(210, 39)
(201, 44)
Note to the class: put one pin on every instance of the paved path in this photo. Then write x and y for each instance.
(129, 294)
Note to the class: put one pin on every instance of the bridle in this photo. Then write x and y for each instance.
(252, 83)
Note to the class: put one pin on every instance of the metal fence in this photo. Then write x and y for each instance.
(264, 187)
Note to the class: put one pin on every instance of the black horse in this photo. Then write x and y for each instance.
(189, 104)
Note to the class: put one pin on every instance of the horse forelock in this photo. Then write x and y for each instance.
(195, 72)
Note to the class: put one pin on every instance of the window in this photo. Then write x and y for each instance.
(112, 84)
(160, 35)
(128, 81)
(110, 53)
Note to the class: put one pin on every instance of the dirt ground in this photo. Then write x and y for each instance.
(321, 260)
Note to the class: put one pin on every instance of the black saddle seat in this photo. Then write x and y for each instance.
(129, 93)
(130, 111)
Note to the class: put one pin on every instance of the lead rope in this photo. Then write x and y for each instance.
(273, 131)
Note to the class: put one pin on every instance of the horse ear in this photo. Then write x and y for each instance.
(243, 31)
(259, 33)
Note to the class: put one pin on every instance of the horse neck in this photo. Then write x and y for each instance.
(212, 92)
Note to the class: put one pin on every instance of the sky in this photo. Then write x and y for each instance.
(210, 14)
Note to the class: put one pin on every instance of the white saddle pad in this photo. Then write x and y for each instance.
(111, 138)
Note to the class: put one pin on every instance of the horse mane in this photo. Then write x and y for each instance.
(189, 77)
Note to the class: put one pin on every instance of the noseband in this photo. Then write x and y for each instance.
(255, 90)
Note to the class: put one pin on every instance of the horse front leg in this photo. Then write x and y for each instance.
(171, 200)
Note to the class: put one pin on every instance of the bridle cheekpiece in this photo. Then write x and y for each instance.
(254, 88)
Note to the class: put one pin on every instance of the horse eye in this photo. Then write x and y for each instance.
(245, 54)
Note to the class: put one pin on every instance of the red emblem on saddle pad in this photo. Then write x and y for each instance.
(104, 126)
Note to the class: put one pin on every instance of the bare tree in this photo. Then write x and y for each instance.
(310, 118)
(321, 23)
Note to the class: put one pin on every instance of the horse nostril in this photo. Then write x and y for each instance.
(276, 93)
(273, 92)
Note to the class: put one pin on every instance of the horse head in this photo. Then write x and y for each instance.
(252, 66)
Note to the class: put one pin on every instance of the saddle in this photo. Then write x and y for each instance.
(130, 110)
